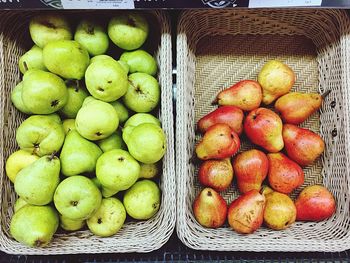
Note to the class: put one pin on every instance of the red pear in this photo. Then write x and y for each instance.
(315, 203)
(230, 115)
(302, 145)
(284, 175)
(219, 142)
(251, 169)
(264, 128)
(246, 213)
(217, 174)
(210, 209)
(246, 95)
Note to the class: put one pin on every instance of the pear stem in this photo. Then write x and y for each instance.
(52, 156)
(25, 66)
(325, 94)
(215, 101)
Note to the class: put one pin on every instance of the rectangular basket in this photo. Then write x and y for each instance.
(141, 236)
(216, 49)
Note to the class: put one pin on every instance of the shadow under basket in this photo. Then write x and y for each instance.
(216, 49)
(135, 236)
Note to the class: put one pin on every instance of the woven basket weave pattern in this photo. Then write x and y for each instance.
(217, 49)
(142, 236)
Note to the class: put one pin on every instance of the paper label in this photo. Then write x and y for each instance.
(98, 4)
(285, 3)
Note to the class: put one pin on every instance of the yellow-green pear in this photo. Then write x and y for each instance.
(16, 98)
(114, 141)
(149, 171)
(20, 202)
(121, 110)
(32, 59)
(140, 61)
(68, 125)
(71, 225)
(17, 161)
(76, 97)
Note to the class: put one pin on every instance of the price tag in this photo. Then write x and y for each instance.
(286, 3)
(98, 4)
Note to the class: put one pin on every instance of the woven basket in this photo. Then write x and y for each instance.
(216, 49)
(141, 236)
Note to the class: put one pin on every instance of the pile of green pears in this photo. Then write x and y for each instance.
(86, 155)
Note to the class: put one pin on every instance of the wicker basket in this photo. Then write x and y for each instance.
(142, 236)
(215, 49)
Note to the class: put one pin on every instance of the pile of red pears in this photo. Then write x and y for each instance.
(282, 149)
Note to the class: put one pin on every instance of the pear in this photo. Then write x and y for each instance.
(37, 183)
(78, 155)
(149, 171)
(117, 170)
(77, 198)
(17, 161)
(41, 134)
(20, 202)
(32, 59)
(142, 200)
(284, 175)
(250, 169)
(101, 58)
(68, 125)
(147, 143)
(280, 211)
(71, 225)
(124, 65)
(43, 92)
(16, 98)
(121, 110)
(219, 142)
(48, 27)
(107, 192)
(108, 219)
(315, 203)
(264, 128)
(34, 226)
(246, 95)
(230, 115)
(217, 174)
(96, 120)
(210, 209)
(92, 37)
(106, 80)
(128, 30)
(96, 183)
(66, 58)
(75, 99)
(296, 107)
(112, 142)
(276, 79)
(143, 92)
(302, 145)
(140, 61)
(246, 213)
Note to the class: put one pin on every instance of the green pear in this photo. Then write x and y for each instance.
(106, 80)
(124, 65)
(71, 225)
(78, 155)
(149, 171)
(77, 198)
(142, 200)
(112, 142)
(32, 59)
(140, 61)
(66, 58)
(49, 27)
(96, 183)
(108, 219)
(147, 143)
(101, 58)
(34, 226)
(16, 98)
(68, 125)
(128, 30)
(41, 134)
(43, 92)
(106, 192)
(121, 110)
(143, 92)
(17, 161)
(92, 37)
(37, 183)
(20, 202)
(117, 170)
(76, 97)
(96, 120)
(136, 120)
